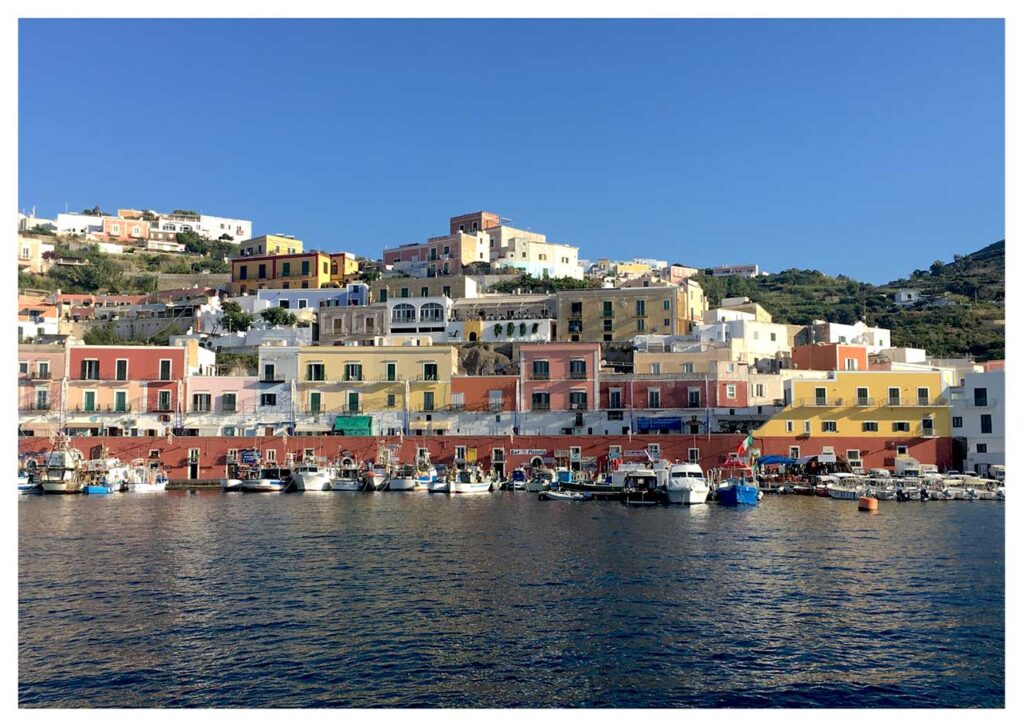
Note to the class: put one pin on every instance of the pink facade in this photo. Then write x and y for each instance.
(246, 390)
(559, 376)
(40, 370)
(115, 228)
(159, 370)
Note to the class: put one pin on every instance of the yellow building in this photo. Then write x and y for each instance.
(870, 404)
(619, 314)
(270, 245)
(302, 270)
(352, 379)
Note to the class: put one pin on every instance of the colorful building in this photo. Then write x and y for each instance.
(559, 376)
(300, 270)
(619, 314)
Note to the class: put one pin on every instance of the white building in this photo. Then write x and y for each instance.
(979, 417)
(531, 253)
(759, 339)
(78, 224)
(907, 296)
(860, 333)
(209, 226)
(742, 271)
(420, 317)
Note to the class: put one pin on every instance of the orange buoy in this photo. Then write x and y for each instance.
(867, 504)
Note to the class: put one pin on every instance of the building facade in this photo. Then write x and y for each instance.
(979, 420)
(619, 314)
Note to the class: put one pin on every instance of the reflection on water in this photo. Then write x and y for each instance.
(343, 599)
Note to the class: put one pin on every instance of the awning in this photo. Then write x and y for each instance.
(805, 460)
(311, 428)
(353, 426)
(776, 459)
(423, 424)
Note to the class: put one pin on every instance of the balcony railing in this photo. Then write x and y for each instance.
(873, 402)
(42, 376)
(275, 379)
(540, 376)
(540, 406)
(495, 406)
(577, 375)
(578, 406)
(108, 409)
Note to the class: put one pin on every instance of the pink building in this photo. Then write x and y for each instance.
(559, 376)
(671, 392)
(40, 370)
(122, 230)
(222, 395)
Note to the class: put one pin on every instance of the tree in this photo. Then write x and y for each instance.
(277, 316)
(193, 242)
(234, 319)
(40, 230)
(96, 212)
(937, 267)
(193, 213)
(104, 335)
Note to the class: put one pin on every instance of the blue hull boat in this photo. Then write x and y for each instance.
(97, 490)
(737, 494)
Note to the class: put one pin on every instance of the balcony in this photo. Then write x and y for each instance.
(275, 379)
(578, 406)
(546, 406)
(540, 376)
(38, 406)
(578, 375)
(495, 406)
(42, 376)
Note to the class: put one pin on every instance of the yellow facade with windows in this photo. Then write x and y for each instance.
(375, 378)
(299, 271)
(619, 314)
(884, 404)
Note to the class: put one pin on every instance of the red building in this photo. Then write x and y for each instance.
(830, 357)
(559, 376)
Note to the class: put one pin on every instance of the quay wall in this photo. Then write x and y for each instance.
(207, 457)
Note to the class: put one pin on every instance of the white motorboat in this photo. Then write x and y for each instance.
(268, 479)
(24, 483)
(377, 478)
(470, 480)
(843, 486)
(314, 476)
(231, 484)
(136, 478)
(404, 479)
(426, 473)
(569, 495)
(348, 479)
(686, 484)
(439, 485)
(61, 472)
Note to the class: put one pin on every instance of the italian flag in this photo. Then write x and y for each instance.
(745, 444)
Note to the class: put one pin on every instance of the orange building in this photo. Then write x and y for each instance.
(830, 357)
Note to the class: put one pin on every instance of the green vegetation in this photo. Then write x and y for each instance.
(970, 324)
(529, 284)
(245, 364)
(235, 320)
(106, 335)
(278, 317)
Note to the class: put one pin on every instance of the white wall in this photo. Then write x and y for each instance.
(994, 382)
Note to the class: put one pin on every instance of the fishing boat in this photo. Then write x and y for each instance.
(25, 483)
(541, 480)
(843, 486)
(735, 483)
(686, 484)
(314, 475)
(231, 484)
(348, 478)
(426, 473)
(147, 479)
(470, 480)
(403, 480)
(265, 479)
(97, 488)
(643, 487)
(61, 471)
(518, 480)
(376, 478)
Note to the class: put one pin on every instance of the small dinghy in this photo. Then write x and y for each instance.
(563, 495)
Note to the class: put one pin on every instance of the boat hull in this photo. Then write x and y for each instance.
(147, 486)
(438, 487)
(467, 488)
(737, 494)
(61, 488)
(402, 484)
(312, 481)
(263, 485)
(687, 495)
(346, 485)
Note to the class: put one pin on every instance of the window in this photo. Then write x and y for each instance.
(693, 455)
(794, 453)
(606, 309)
(540, 370)
(404, 293)
(305, 267)
(315, 371)
(229, 402)
(314, 402)
(820, 398)
(268, 399)
(693, 398)
(577, 369)
(383, 295)
(853, 455)
(902, 449)
(981, 397)
(460, 453)
(121, 369)
(353, 401)
(828, 426)
(641, 308)
(655, 368)
(271, 455)
(577, 400)
(759, 390)
(576, 310)
(773, 336)
(303, 303)
(390, 401)
(807, 426)
(654, 449)
(927, 427)
(428, 401)
(789, 425)
(982, 448)
(43, 369)
(541, 401)
(640, 326)
(165, 369)
(614, 451)
(894, 396)
(42, 399)
(922, 396)
(654, 398)
(958, 422)
(730, 391)
(262, 271)
(850, 364)
(325, 268)
(120, 401)
(90, 369)
(688, 368)
(286, 270)
(424, 293)
(200, 402)
(901, 426)
(862, 396)
(353, 371)
(614, 398)
(391, 371)
(269, 372)
(986, 423)
(666, 304)
(869, 426)
(23, 367)
(163, 400)
(243, 272)
(495, 400)
(115, 229)
(430, 372)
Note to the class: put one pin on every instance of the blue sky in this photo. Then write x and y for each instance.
(868, 148)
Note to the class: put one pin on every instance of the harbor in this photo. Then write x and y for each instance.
(419, 600)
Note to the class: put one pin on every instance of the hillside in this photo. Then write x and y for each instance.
(965, 317)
